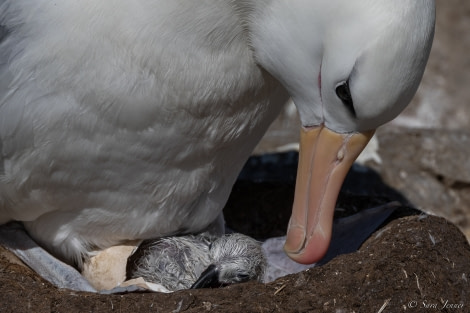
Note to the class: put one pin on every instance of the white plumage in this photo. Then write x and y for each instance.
(124, 120)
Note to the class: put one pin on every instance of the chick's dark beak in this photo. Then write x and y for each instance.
(208, 279)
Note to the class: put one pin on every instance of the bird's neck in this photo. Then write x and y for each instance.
(287, 41)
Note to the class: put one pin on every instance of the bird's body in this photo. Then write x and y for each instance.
(123, 120)
(172, 262)
(144, 112)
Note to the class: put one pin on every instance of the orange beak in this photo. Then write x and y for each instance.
(325, 159)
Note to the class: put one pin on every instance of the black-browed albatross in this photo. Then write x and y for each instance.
(124, 120)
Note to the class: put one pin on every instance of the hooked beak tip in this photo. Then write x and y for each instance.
(324, 160)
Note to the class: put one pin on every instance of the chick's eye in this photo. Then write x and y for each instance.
(243, 277)
(343, 92)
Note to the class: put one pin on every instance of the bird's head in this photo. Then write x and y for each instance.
(349, 66)
(235, 258)
(237, 270)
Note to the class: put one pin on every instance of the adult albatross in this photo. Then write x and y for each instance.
(124, 120)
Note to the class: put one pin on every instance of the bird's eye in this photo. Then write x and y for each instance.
(243, 277)
(343, 92)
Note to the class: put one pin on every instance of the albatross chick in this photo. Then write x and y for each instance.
(198, 261)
